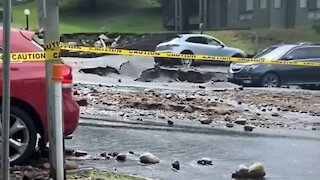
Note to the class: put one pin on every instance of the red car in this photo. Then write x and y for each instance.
(28, 117)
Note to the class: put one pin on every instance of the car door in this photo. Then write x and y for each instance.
(312, 73)
(199, 45)
(293, 74)
(216, 48)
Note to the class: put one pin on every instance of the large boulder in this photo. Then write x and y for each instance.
(256, 171)
(148, 158)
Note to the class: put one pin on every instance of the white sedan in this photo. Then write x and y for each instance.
(200, 44)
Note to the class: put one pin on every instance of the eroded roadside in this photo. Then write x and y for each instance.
(212, 107)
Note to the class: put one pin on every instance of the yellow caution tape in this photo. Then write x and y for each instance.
(52, 52)
(184, 56)
(33, 56)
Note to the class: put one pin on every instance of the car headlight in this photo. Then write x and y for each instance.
(250, 67)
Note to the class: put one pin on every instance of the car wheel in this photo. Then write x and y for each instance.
(270, 80)
(23, 136)
(187, 62)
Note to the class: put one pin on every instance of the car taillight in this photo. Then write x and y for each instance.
(67, 77)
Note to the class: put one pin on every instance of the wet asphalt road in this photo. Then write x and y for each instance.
(283, 158)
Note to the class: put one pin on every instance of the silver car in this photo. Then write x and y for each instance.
(200, 44)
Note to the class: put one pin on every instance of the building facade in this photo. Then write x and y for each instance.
(247, 14)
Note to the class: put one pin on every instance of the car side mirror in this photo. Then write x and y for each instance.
(222, 46)
(288, 58)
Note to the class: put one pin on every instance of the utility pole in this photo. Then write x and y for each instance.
(176, 15)
(51, 35)
(40, 5)
(5, 124)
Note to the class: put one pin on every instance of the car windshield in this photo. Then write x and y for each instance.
(275, 52)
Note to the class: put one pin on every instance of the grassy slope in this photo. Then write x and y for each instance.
(120, 16)
(136, 16)
(243, 39)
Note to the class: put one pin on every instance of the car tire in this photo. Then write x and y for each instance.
(22, 131)
(187, 62)
(270, 80)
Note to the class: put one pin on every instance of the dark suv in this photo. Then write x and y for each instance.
(266, 75)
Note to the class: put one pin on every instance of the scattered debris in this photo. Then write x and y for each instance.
(176, 165)
(205, 161)
(249, 128)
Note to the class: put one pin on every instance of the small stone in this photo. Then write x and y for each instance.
(221, 100)
(205, 161)
(258, 114)
(170, 123)
(263, 110)
(148, 158)
(113, 154)
(139, 119)
(246, 110)
(79, 153)
(119, 80)
(275, 114)
(229, 125)
(241, 172)
(100, 85)
(176, 165)
(249, 128)
(71, 165)
(46, 166)
(190, 98)
(131, 152)
(228, 119)
(169, 96)
(83, 102)
(239, 102)
(188, 109)
(241, 121)
(161, 116)
(314, 129)
(29, 175)
(241, 88)
(202, 87)
(69, 152)
(122, 114)
(142, 114)
(206, 121)
(76, 93)
(121, 157)
(103, 154)
(256, 171)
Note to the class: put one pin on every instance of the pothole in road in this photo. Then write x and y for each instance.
(165, 75)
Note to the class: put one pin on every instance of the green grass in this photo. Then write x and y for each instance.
(100, 174)
(243, 38)
(118, 16)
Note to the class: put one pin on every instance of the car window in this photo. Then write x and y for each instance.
(198, 40)
(213, 42)
(313, 52)
(274, 52)
(301, 53)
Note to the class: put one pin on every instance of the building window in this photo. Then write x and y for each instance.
(277, 4)
(263, 4)
(314, 14)
(318, 3)
(312, 4)
(303, 3)
(246, 8)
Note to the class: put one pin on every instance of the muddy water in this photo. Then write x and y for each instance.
(284, 158)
